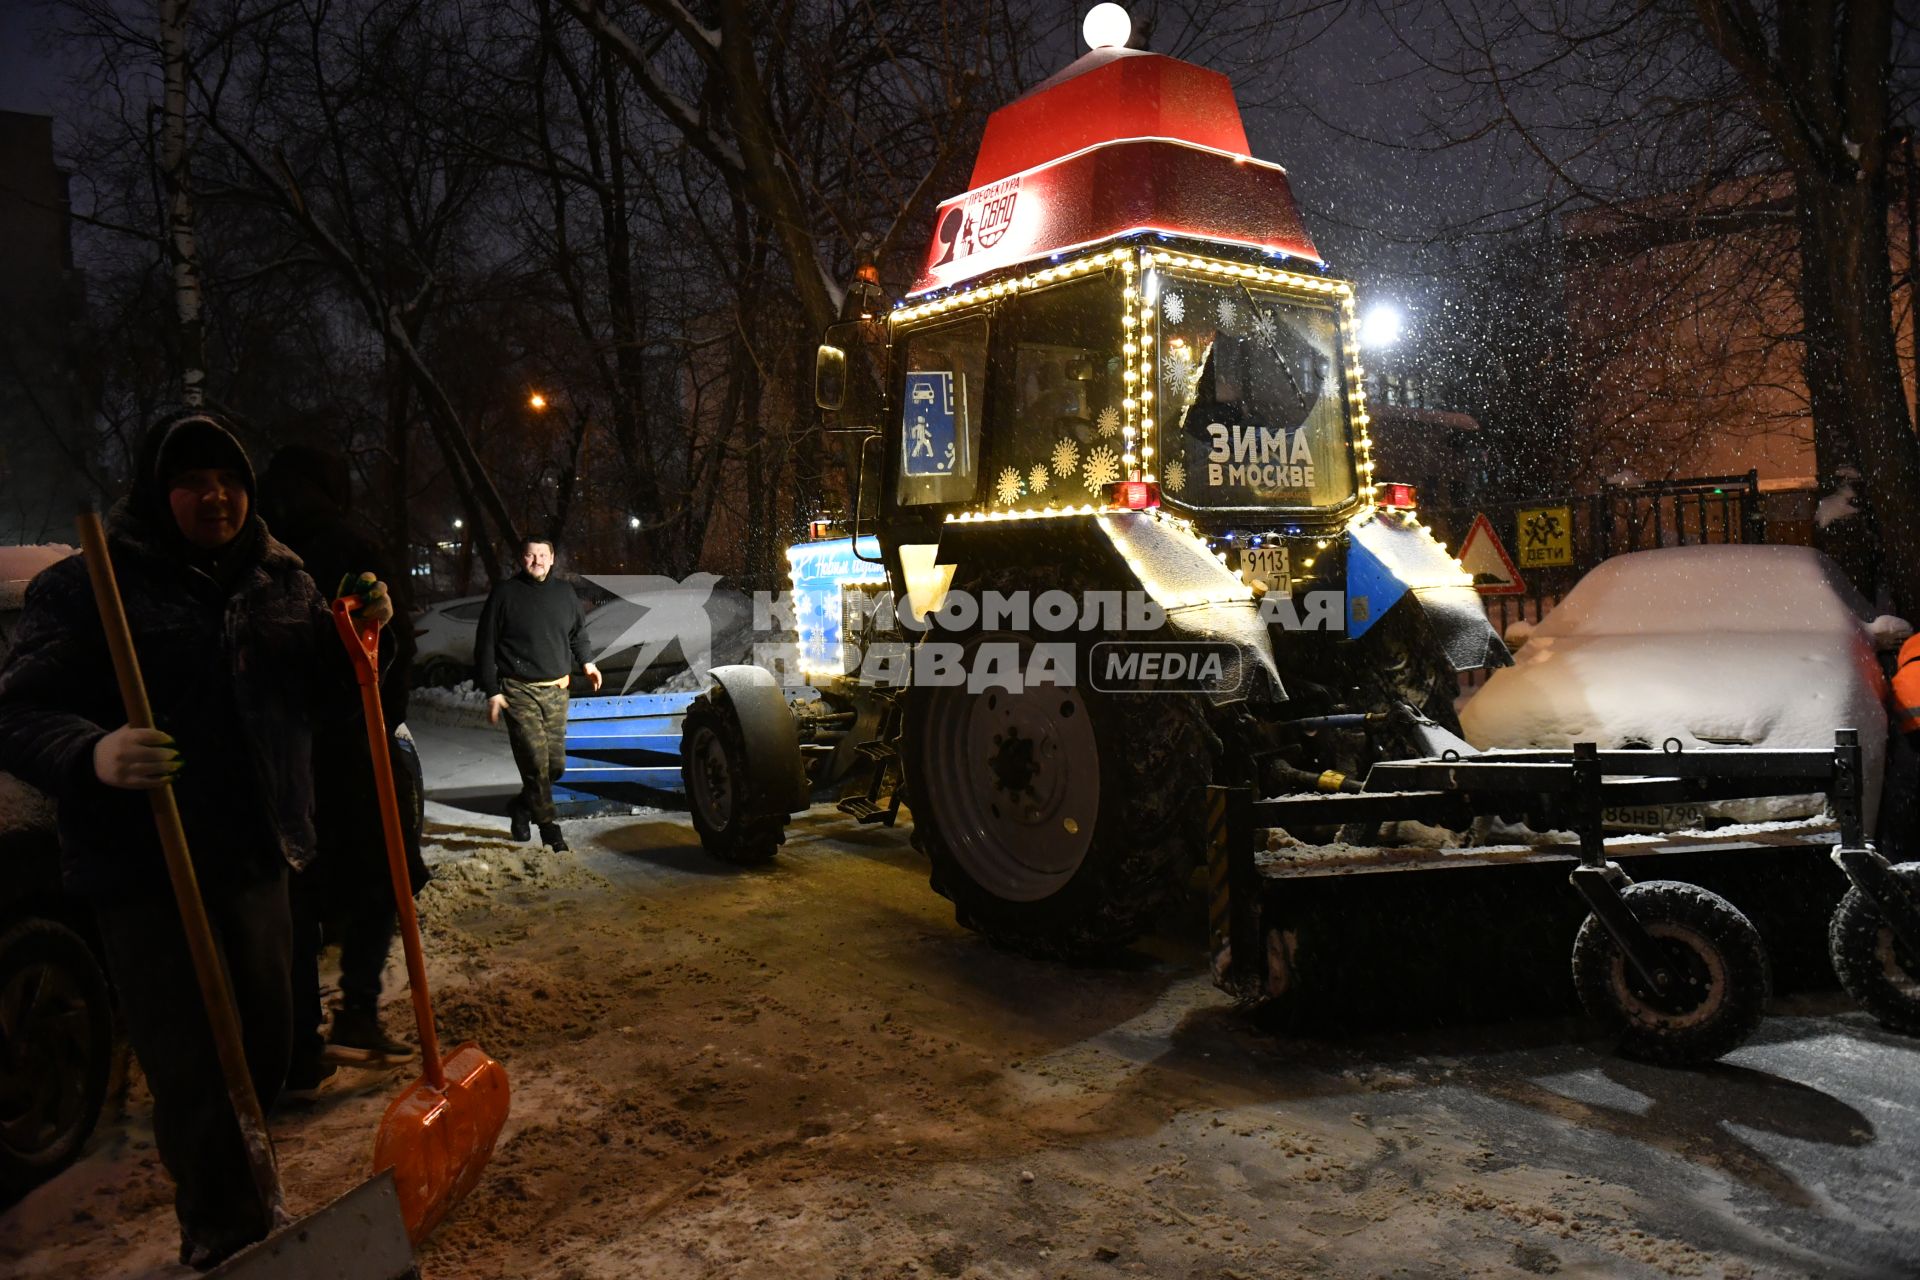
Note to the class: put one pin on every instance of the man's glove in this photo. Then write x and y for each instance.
(376, 606)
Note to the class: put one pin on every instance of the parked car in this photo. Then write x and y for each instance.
(443, 641)
(58, 1045)
(445, 632)
(1764, 646)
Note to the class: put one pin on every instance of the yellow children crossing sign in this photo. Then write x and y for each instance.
(1546, 537)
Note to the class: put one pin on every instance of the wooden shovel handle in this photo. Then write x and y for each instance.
(363, 642)
(215, 991)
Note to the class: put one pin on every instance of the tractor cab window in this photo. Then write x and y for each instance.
(945, 382)
(1253, 399)
(1058, 440)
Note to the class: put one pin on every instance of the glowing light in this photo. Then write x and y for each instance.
(1382, 327)
(536, 402)
(1106, 26)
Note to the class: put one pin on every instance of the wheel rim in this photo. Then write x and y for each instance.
(711, 779)
(1017, 779)
(47, 1035)
(1700, 979)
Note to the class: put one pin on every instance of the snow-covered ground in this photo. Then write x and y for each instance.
(808, 1071)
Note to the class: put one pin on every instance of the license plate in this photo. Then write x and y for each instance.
(1655, 817)
(1266, 565)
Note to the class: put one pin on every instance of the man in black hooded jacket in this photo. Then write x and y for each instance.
(238, 651)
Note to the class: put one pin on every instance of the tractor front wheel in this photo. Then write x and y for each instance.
(714, 769)
(1721, 983)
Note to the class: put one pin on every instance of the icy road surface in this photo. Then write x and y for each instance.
(809, 1071)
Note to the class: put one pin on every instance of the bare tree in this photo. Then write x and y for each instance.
(1657, 110)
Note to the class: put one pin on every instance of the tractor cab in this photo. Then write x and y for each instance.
(1123, 313)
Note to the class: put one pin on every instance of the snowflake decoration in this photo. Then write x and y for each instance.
(1103, 468)
(1108, 422)
(1007, 488)
(1038, 479)
(1066, 458)
(1265, 327)
(1179, 361)
(1174, 308)
(1228, 313)
(1176, 476)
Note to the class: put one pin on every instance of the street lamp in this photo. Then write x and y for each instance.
(536, 402)
(1382, 325)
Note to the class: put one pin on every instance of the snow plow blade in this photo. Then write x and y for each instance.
(1272, 913)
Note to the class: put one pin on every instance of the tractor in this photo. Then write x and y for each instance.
(1122, 590)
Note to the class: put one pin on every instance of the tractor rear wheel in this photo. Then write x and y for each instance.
(1876, 968)
(1059, 819)
(1722, 981)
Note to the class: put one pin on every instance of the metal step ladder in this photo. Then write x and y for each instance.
(882, 754)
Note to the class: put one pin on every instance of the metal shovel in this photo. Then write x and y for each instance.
(361, 1235)
(437, 1136)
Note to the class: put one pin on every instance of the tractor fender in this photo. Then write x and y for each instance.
(1390, 563)
(1135, 551)
(774, 763)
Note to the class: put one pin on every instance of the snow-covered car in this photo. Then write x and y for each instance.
(1766, 646)
(58, 1049)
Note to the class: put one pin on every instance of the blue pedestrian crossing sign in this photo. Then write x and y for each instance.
(931, 444)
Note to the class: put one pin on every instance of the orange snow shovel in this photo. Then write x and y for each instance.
(436, 1136)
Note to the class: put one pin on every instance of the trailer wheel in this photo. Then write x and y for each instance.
(1059, 820)
(713, 766)
(1723, 988)
(1877, 969)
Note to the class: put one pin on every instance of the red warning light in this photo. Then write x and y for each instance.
(1133, 495)
(1399, 497)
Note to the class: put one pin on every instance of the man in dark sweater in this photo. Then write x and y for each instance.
(532, 635)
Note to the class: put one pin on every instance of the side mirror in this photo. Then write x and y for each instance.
(1518, 633)
(1889, 632)
(830, 377)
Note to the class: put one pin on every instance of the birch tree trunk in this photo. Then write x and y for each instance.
(176, 176)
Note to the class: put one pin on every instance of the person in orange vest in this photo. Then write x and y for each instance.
(1903, 695)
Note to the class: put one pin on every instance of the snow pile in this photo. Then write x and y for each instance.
(1842, 504)
(1714, 646)
(462, 704)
